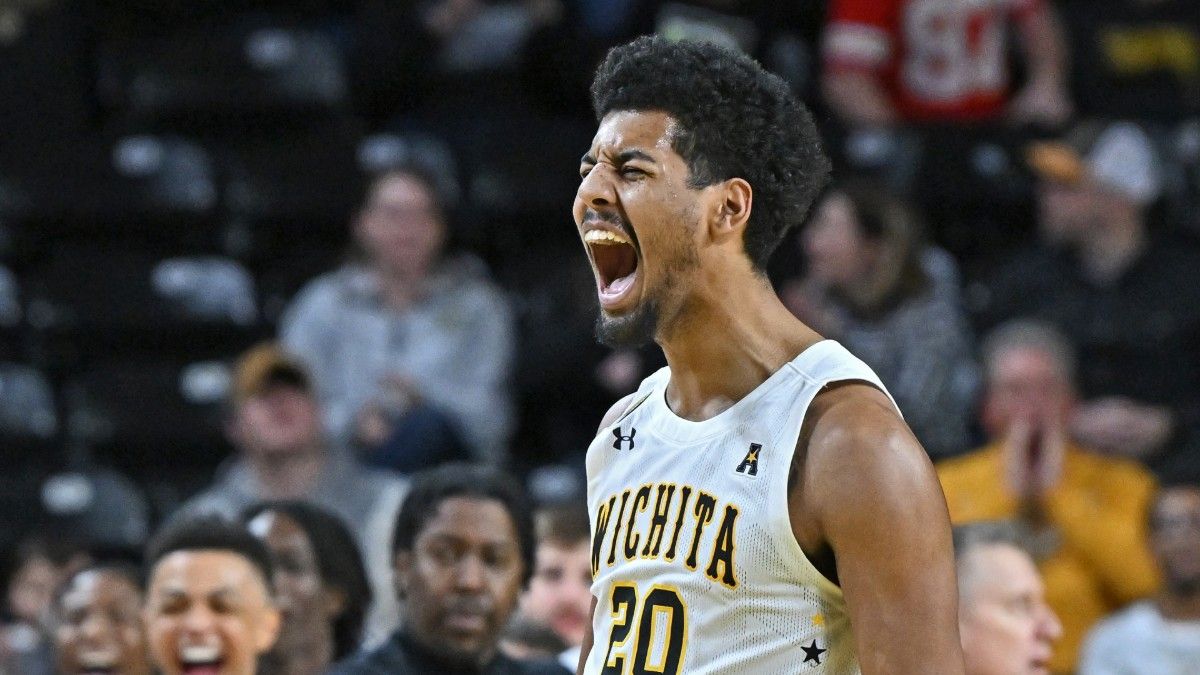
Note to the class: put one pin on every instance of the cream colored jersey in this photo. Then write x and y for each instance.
(694, 564)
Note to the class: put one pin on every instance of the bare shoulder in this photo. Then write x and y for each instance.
(854, 426)
(857, 453)
(614, 413)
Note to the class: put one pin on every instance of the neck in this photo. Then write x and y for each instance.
(729, 343)
(1109, 250)
(288, 475)
(401, 288)
(1179, 607)
(430, 655)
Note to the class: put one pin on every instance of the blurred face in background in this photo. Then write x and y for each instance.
(1004, 622)
(460, 581)
(307, 607)
(280, 420)
(559, 594)
(837, 253)
(100, 627)
(1175, 539)
(1068, 212)
(1026, 384)
(400, 228)
(208, 612)
(32, 589)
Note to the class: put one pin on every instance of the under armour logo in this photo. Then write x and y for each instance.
(749, 465)
(621, 440)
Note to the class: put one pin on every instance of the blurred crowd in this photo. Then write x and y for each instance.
(270, 260)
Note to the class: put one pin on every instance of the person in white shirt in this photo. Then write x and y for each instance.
(1160, 636)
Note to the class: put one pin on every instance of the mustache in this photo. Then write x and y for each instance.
(591, 216)
(467, 605)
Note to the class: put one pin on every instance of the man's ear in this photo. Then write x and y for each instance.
(735, 200)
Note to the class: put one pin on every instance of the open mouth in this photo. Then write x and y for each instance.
(201, 660)
(616, 263)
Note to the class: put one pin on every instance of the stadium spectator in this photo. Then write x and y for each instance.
(98, 623)
(559, 595)
(1085, 510)
(464, 548)
(409, 348)
(1166, 629)
(320, 583)
(1135, 58)
(283, 453)
(1127, 298)
(1004, 622)
(869, 287)
(40, 565)
(208, 601)
(889, 62)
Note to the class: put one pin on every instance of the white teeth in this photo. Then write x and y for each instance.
(98, 659)
(603, 237)
(199, 654)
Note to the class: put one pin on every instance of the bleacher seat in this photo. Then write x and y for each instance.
(27, 405)
(289, 189)
(151, 418)
(43, 83)
(149, 189)
(86, 303)
(252, 71)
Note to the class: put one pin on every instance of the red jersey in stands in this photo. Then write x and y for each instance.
(938, 59)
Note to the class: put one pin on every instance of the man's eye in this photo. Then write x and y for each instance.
(173, 607)
(631, 172)
(443, 555)
(583, 173)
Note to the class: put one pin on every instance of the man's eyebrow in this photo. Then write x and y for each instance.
(622, 157)
(633, 153)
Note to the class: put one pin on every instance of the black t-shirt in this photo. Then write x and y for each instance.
(1135, 58)
(402, 655)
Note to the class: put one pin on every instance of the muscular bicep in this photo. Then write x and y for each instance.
(880, 509)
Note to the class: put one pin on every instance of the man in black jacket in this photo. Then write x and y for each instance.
(463, 550)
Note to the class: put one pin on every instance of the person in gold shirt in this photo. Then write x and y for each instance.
(1084, 511)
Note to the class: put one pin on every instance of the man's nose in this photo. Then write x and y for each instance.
(470, 574)
(198, 619)
(596, 189)
(1049, 627)
(94, 627)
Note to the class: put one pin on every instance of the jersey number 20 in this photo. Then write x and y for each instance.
(661, 611)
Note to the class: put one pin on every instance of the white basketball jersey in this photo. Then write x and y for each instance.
(694, 564)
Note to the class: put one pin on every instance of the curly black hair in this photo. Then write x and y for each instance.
(339, 562)
(734, 119)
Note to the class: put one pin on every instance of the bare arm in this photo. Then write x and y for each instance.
(868, 492)
(589, 639)
(1044, 97)
(858, 98)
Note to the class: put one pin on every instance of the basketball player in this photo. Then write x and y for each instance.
(757, 506)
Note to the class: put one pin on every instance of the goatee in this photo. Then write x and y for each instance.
(631, 330)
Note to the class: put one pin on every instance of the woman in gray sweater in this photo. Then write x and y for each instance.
(872, 285)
